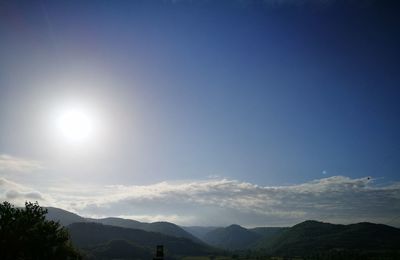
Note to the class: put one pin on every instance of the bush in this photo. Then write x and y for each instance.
(26, 234)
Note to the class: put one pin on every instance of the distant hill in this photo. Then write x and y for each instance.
(232, 237)
(171, 230)
(166, 228)
(198, 231)
(64, 217)
(119, 222)
(313, 239)
(89, 236)
(313, 236)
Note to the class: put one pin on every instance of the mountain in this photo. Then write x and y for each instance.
(268, 233)
(199, 231)
(119, 222)
(89, 236)
(64, 217)
(119, 249)
(166, 228)
(171, 230)
(116, 238)
(232, 237)
(313, 237)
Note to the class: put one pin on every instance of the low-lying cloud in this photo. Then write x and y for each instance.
(17, 193)
(336, 199)
(10, 163)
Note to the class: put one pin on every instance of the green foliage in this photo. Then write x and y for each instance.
(26, 234)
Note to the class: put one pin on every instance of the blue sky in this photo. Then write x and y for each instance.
(257, 94)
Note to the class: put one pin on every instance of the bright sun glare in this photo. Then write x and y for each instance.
(75, 125)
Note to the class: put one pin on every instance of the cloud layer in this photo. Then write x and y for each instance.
(10, 163)
(221, 201)
(18, 193)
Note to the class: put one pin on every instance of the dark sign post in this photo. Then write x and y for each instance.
(159, 253)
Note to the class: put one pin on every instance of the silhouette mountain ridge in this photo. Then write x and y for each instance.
(310, 236)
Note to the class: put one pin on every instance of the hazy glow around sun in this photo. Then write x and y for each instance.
(75, 124)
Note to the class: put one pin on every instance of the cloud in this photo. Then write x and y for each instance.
(222, 201)
(336, 199)
(13, 164)
(17, 193)
(13, 194)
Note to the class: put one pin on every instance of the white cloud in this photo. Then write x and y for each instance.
(17, 193)
(9, 163)
(337, 199)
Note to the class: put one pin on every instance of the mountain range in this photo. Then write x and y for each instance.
(314, 236)
(89, 236)
(66, 218)
(118, 238)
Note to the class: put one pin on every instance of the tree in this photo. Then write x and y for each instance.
(26, 234)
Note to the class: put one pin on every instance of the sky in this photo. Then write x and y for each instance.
(259, 113)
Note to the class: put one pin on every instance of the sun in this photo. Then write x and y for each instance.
(75, 124)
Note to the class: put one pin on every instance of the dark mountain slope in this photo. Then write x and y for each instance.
(232, 237)
(166, 228)
(170, 229)
(314, 236)
(199, 231)
(88, 235)
(119, 222)
(64, 217)
(268, 233)
(119, 249)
